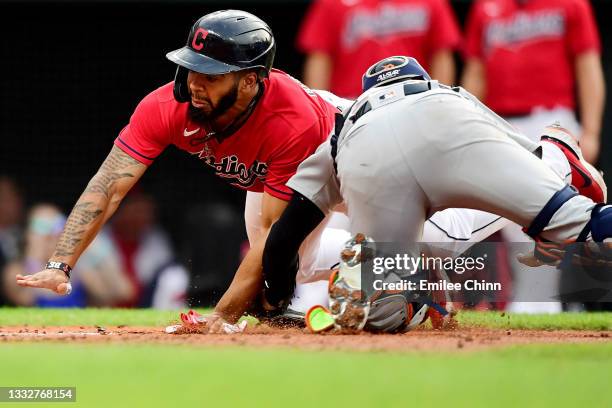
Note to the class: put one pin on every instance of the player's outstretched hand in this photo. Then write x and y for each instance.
(52, 279)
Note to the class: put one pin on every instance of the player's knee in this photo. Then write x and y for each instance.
(541, 221)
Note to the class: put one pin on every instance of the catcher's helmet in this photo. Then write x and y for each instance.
(221, 42)
(392, 69)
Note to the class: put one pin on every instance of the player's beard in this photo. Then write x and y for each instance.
(198, 115)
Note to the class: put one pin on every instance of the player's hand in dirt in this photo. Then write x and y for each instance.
(52, 279)
(195, 323)
(215, 323)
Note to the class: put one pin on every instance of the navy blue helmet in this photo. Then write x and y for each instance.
(392, 69)
(221, 42)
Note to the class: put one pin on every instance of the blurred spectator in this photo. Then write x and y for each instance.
(144, 251)
(97, 279)
(534, 62)
(524, 59)
(344, 37)
(11, 204)
(11, 212)
(102, 273)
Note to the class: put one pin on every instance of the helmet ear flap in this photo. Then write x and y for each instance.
(181, 92)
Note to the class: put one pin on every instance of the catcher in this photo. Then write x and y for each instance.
(409, 147)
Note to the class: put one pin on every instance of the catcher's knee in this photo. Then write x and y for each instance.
(553, 205)
(598, 228)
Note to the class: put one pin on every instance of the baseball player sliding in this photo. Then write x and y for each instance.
(409, 147)
(253, 125)
(250, 123)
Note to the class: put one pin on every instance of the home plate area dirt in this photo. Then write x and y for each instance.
(422, 339)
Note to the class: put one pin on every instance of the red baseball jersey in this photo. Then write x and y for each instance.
(357, 33)
(528, 49)
(286, 126)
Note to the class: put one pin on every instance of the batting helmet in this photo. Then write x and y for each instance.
(392, 69)
(221, 42)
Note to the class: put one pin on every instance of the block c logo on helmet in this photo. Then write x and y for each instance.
(198, 39)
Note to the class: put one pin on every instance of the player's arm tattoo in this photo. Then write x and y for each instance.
(90, 207)
(113, 168)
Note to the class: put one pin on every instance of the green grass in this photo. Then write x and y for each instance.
(561, 321)
(151, 376)
(148, 317)
(87, 317)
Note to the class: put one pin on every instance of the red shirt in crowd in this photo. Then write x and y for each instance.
(528, 50)
(286, 126)
(357, 33)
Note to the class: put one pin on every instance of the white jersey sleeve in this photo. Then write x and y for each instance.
(316, 179)
(340, 103)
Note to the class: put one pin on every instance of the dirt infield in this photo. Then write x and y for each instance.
(461, 339)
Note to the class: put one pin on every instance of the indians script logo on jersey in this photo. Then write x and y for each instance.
(388, 20)
(524, 27)
(236, 172)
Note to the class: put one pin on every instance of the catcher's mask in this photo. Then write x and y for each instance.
(393, 69)
(353, 307)
(222, 42)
